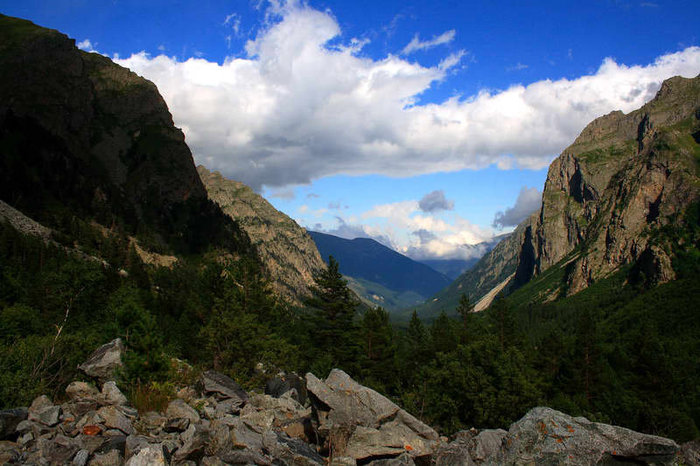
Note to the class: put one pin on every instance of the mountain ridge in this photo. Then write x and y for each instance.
(368, 260)
(624, 176)
(287, 251)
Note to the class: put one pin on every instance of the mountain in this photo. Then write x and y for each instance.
(453, 268)
(380, 275)
(286, 250)
(607, 203)
(88, 145)
(623, 178)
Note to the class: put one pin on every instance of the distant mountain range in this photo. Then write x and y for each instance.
(380, 275)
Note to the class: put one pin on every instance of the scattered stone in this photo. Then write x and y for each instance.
(291, 451)
(112, 395)
(40, 403)
(134, 444)
(115, 419)
(404, 459)
(111, 458)
(104, 361)
(9, 419)
(178, 409)
(81, 391)
(179, 424)
(225, 387)
(342, 461)
(149, 455)
(690, 452)
(246, 457)
(9, 452)
(195, 439)
(487, 444)
(81, 458)
(49, 416)
(57, 450)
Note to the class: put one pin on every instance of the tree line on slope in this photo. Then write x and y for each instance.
(618, 352)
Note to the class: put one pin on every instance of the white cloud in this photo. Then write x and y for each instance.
(297, 109)
(529, 200)
(417, 44)
(86, 45)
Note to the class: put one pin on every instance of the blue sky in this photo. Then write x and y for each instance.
(413, 122)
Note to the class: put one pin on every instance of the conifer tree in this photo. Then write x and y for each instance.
(334, 328)
(464, 309)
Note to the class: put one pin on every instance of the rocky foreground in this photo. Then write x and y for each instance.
(295, 422)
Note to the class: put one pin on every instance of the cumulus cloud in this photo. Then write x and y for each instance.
(529, 200)
(435, 201)
(417, 44)
(299, 107)
(349, 230)
(86, 45)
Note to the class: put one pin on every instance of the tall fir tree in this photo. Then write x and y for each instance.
(334, 330)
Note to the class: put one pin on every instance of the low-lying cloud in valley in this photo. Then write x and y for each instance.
(297, 109)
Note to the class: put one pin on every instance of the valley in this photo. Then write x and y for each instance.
(235, 335)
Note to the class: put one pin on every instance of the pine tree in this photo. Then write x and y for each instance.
(464, 309)
(334, 329)
(379, 346)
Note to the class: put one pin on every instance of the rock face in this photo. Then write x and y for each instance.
(623, 175)
(287, 252)
(359, 423)
(82, 133)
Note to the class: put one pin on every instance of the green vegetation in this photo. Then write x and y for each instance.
(620, 351)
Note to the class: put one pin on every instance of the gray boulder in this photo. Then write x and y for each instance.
(690, 452)
(115, 419)
(362, 424)
(43, 411)
(178, 409)
(104, 361)
(224, 387)
(195, 440)
(111, 394)
(544, 435)
(289, 450)
(150, 455)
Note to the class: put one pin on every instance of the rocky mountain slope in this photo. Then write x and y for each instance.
(378, 274)
(623, 177)
(287, 251)
(333, 421)
(605, 199)
(83, 138)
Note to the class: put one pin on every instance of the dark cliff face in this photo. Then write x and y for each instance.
(82, 136)
(624, 176)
